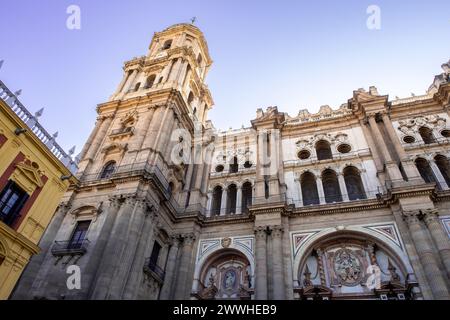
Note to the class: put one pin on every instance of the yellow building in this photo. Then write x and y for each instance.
(34, 174)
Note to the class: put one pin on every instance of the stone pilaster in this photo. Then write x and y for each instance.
(166, 290)
(343, 187)
(261, 263)
(239, 200)
(95, 257)
(116, 243)
(185, 260)
(128, 257)
(277, 263)
(223, 202)
(425, 252)
(439, 236)
(320, 191)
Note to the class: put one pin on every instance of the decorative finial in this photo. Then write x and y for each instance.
(412, 94)
(39, 113)
(193, 19)
(55, 135)
(72, 150)
(1, 63)
(18, 92)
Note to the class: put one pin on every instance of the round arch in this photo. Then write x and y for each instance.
(209, 258)
(349, 232)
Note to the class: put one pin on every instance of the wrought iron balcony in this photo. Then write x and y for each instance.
(152, 269)
(63, 248)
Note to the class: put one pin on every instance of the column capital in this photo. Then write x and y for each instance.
(260, 232)
(411, 216)
(430, 215)
(188, 239)
(276, 231)
(114, 201)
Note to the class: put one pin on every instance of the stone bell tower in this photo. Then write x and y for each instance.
(138, 169)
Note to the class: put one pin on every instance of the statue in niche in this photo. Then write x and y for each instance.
(230, 279)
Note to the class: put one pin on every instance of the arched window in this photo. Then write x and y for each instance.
(108, 170)
(137, 86)
(246, 196)
(167, 44)
(444, 167)
(309, 189)
(217, 200)
(234, 166)
(425, 170)
(190, 98)
(354, 184)
(331, 188)
(427, 135)
(323, 150)
(231, 198)
(150, 81)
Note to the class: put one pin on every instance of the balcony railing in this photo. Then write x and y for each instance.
(63, 248)
(152, 269)
(34, 126)
(122, 131)
(130, 170)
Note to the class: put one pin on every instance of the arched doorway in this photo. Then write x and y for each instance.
(352, 265)
(226, 274)
(231, 199)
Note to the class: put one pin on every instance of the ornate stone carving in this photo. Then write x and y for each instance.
(347, 267)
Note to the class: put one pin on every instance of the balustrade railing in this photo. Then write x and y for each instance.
(31, 121)
(61, 248)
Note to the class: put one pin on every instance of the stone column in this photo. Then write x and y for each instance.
(95, 257)
(186, 255)
(142, 134)
(96, 142)
(135, 275)
(408, 166)
(208, 207)
(374, 151)
(166, 292)
(425, 252)
(437, 173)
(299, 192)
(391, 166)
(130, 81)
(261, 263)
(343, 187)
(223, 202)
(239, 200)
(128, 255)
(165, 73)
(31, 272)
(278, 268)
(439, 236)
(121, 84)
(93, 134)
(175, 70)
(116, 243)
(320, 190)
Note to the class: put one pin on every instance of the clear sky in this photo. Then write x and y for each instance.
(292, 54)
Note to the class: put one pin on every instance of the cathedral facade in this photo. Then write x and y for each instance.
(350, 203)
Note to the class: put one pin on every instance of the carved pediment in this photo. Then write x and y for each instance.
(31, 173)
(115, 148)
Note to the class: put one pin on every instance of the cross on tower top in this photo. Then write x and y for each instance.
(193, 19)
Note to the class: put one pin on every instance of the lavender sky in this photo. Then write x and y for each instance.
(292, 54)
